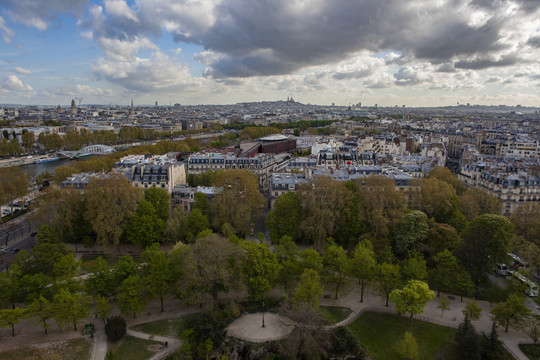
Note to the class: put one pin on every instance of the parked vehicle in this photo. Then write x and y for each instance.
(501, 269)
(531, 288)
(2, 250)
(15, 250)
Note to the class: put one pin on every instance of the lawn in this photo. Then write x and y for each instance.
(531, 350)
(336, 314)
(133, 348)
(379, 332)
(166, 327)
(75, 349)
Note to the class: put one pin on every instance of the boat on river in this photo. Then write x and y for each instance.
(46, 159)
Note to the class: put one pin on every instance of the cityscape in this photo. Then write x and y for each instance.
(269, 180)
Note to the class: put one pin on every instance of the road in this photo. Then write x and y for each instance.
(17, 233)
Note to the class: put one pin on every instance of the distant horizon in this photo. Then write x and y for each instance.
(417, 53)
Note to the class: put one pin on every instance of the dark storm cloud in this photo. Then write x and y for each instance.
(534, 41)
(483, 63)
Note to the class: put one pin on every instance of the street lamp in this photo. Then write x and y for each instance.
(263, 313)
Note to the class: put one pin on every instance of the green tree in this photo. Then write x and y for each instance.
(145, 227)
(492, 348)
(476, 202)
(115, 328)
(444, 174)
(309, 289)
(103, 308)
(196, 222)
(10, 317)
(363, 264)
(157, 272)
(467, 340)
(201, 203)
(310, 259)
(28, 139)
(100, 281)
(111, 202)
(239, 203)
(444, 304)
(438, 199)
(414, 267)
(443, 275)
(42, 310)
(335, 266)
(511, 313)
(412, 298)
(472, 310)
(160, 200)
(407, 347)
(69, 308)
(124, 268)
(284, 218)
(174, 225)
(388, 278)
(463, 285)
(486, 242)
(260, 269)
(287, 253)
(442, 237)
(411, 232)
(11, 285)
(132, 295)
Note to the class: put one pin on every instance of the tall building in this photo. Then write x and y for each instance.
(73, 107)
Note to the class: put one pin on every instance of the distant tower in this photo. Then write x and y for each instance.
(131, 109)
(156, 102)
(73, 107)
(58, 109)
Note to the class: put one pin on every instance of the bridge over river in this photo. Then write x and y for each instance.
(87, 151)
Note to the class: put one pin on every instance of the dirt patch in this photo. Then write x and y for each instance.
(154, 348)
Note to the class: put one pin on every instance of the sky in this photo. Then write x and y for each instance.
(385, 52)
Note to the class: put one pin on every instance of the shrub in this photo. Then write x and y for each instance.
(115, 328)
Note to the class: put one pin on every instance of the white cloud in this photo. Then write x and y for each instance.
(13, 84)
(7, 33)
(22, 71)
(119, 8)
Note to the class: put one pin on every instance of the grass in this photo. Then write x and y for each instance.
(75, 349)
(531, 350)
(133, 348)
(165, 327)
(379, 333)
(336, 314)
(89, 260)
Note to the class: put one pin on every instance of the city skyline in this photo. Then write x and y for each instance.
(421, 53)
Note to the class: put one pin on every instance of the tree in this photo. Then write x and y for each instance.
(387, 279)
(463, 285)
(335, 266)
(444, 174)
(174, 225)
(196, 222)
(100, 281)
(476, 202)
(10, 317)
(414, 267)
(309, 289)
(532, 327)
(381, 204)
(115, 328)
(41, 309)
(260, 269)
(467, 340)
(310, 259)
(363, 264)
(472, 310)
(160, 200)
(239, 203)
(442, 237)
(495, 294)
(407, 347)
(287, 253)
(201, 203)
(11, 285)
(103, 308)
(284, 218)
(210, 265)
(438, 199)
(132, 295)
(28, 139)
(111, 202)
(444, 304)
(443, 275)
(69, 308)
(411, 232)
(512, 313)
(124, 268)
(13, 184)
(492, 348)
(412, 298)
(486, 242)
(145, 227)
(157, 272)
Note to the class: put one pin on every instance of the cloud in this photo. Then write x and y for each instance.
(22, 71)
(485, 63)
(157, 73)
(39, 13)
(81, 90)
(13, 84)
(7, 33)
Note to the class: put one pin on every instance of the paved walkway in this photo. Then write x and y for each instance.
(431, 313)
(249, 327)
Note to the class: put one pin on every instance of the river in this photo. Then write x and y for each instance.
(36, 169)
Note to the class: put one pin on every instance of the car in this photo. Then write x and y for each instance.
(2, 250)
(15, 250)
